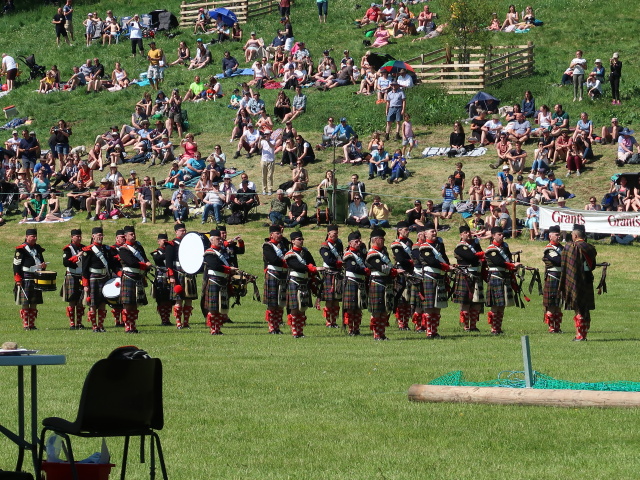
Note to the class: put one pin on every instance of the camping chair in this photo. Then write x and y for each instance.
(120, 398)
(128, 193)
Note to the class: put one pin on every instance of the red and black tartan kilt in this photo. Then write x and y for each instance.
(29, 295)
(182, 279)
(132, 290)
(551, 291)
(465, 286)
(216, 287)
(377, 294)
(495, 291)
(270, 291)
(350, 294)
(298, 286)
(72, 288)
(96, 282)
(332, 290)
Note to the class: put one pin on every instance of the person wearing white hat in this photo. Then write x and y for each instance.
(599, 70)
(614, 78)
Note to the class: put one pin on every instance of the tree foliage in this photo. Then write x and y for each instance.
(468, 25)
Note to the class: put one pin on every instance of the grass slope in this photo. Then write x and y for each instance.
(250, 405)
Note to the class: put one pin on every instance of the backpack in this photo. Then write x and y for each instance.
(235, 218)
(634, 159)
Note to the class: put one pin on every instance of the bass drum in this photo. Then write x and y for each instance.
(191, 252)
(111, 291)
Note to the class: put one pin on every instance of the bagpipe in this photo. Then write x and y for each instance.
(238, 286)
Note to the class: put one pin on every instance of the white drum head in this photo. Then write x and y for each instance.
(191, 253)
(111, 289)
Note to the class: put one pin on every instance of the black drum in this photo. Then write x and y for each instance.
(45, 280)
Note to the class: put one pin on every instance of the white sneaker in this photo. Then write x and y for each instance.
(144, 219)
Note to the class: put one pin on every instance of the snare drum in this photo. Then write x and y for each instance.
(45, 280)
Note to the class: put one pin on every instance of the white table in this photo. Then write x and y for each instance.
(19, 439)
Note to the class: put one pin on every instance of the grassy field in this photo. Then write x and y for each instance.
(252, 405)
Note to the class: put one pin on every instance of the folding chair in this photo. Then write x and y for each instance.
(120, 398)
(128, 193)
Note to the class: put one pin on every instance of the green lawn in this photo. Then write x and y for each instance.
(252, 405)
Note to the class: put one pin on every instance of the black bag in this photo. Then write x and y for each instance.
(634, 159)
(235, 218)
(286, 185)
(128, 352)
(139, 158)
(15, 475)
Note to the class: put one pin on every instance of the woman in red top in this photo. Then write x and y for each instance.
(86, 175)
(190, 147)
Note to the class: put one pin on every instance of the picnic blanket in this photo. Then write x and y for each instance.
(240, 71)
(442, 151)
(63, 219)
(194, 180)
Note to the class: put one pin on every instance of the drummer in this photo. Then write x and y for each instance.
(72, 290)
(331, 251)
(230, 249)
(184, 285)
(161, 286)
(216, 280)
(275, 278)
(134, 263)
(116, 308)
(27, 260)
(98, 266)
(301, 264)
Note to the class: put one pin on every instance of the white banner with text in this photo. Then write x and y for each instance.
(623, 223)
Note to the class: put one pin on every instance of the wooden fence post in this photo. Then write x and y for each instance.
(530, 57)
(482, 74)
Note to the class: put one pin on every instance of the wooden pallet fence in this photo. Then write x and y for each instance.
(485, 68)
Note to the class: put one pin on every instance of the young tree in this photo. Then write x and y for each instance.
(468, 25)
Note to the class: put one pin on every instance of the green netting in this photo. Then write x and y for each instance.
(515, 379)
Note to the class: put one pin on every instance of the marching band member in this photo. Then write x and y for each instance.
(551, 257)
(27, 260)
(331, 251)
(216, 281)
(381, 286)
(469, 287)
(354, 295)
(184, 285)
(300, 263)
(72, 290)
(116, 310)
(576, 281)
(499, 289)
(435, 264)
(134, 263)
(401, 249)
(275, 278)
(231, 249)
(98, 266)
(416, 300)
(161, 290)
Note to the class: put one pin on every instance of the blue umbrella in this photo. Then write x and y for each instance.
(485, 100)
(228, 17)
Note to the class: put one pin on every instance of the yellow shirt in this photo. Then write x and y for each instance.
(155, 56)
(378, 212)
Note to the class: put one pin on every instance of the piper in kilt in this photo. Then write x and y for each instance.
(576, 281)
(381, 296)
(301, 264)
(275, 278)
(469, 288)
(231, 249)
(499, 290)
(417, 287)
(181, 293)
(331, 251)
(116, 310)
(216, 280)
(435, 264)
(72, 291)
(134, 264)
(401, 249)
(354, 293)
(98, 265)
(161, 289)
(27, 260)
(551, 293)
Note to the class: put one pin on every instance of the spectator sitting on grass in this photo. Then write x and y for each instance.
(297, 212)
(543, 152)
(180, 209)
(379, 164)
(278, 208)
(358, 215)
(517, 158)
(379, 213)
(505, 179)
(533, 219)
(610, 133)
(626, 143)
(299, 106)
(398, 167)
(195, 89)
(450, 193)
(35, 209)
(344, 77)
(353, 151)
